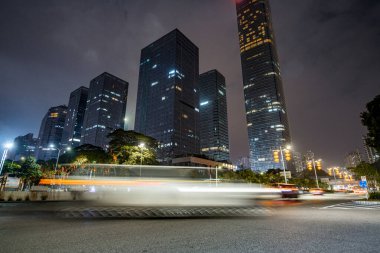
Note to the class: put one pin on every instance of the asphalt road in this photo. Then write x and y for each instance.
(293, 226)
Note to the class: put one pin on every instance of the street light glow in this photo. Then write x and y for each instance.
(142, 144)
(8, 145)
(51, 146)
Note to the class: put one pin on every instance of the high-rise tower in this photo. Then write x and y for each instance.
(75, 115)
(266, 114)
(50, 133)
(105, 111)
(167, 98)
(213, 116)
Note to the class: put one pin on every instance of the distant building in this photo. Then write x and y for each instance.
(298, 162)
(264, 98)
(243, 163)
(105, 110)
(353, 159)
(75, 116)
(213, 123)
(168, 97)
(372, 155)
(23, 146)
(51, 132)
(195, 161)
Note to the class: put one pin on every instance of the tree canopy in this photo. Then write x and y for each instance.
(124, 147)
(371, 119)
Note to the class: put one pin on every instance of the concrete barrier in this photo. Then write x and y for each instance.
(39, 196)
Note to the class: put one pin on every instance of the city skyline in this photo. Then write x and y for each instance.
(306, 125)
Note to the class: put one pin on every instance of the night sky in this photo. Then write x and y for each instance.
(329, 55)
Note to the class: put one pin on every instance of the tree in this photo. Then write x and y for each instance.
(124, 147)
(371, 119)
(10, 167)
(371, 172)
(86, 153)
(30, 172)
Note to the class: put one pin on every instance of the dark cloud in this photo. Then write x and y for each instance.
(328, 52)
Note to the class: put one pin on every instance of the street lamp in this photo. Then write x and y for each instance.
(7, 146)
(52, 147)
(315, 171)
(287, 148)
(141, 146)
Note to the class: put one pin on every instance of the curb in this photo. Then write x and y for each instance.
(367, 203)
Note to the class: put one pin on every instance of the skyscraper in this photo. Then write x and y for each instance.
(105, 110)
(372, 154)
(266, 114)
(213, 116)
(23, 146)
(167, 98)
(50, 133)
(75, 116)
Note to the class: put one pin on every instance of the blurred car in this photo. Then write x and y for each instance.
(359, 190)
(288, 190)
(317, 191)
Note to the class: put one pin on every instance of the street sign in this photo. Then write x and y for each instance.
(364, 178)
(288, 174)
(363, 184)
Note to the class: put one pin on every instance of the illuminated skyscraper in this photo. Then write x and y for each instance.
(51, 131)
(167, 100)
(105, 111)
(213, 116)
(266, 115)
(75, 115)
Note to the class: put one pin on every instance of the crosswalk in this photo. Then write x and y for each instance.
(354, 205)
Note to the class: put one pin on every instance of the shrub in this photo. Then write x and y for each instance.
(374, 195)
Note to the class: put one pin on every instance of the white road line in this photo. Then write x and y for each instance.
(350, 205)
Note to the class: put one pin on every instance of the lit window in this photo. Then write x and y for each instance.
(204, 103)
(154, 66)
(154, 83)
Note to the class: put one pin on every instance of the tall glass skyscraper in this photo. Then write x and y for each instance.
(168, 97)
(105, 111)
(213, 116)
(266, 115)
(75, 116)
(50, 133)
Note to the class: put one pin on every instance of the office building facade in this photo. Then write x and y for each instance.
(23, 146)
(213, 122)
(168, 97)
(75, 116)
(51, 132)
(105, 110)
(266, 113)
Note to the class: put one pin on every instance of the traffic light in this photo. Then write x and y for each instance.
(309, 165)
(319, 165)
(287, 155)
(276, 156)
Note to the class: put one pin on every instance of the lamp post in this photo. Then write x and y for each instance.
(141, 146)
(288, 147)
(7, 146)
(52, 147)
